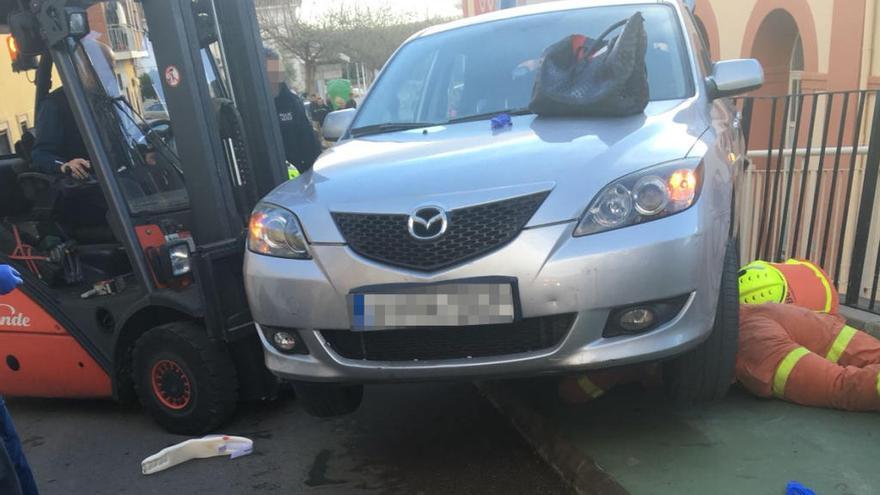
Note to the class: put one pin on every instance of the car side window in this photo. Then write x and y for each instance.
(701, 42)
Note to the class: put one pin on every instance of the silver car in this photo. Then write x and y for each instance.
(429, 243)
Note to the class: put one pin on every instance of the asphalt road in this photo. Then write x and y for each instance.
(408, 439)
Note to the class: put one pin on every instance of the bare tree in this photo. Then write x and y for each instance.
(371, 35)
(367, 35)
(313, 42)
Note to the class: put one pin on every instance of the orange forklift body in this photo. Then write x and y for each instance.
(40, 358)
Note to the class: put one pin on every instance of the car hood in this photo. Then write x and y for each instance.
(464, 164)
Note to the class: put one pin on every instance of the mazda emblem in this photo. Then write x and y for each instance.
(427, 223)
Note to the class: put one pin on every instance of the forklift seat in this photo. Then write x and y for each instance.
(41, 192)
(12, 202)
(25, 146)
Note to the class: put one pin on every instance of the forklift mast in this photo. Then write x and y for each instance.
(177, 31)
(219, 201)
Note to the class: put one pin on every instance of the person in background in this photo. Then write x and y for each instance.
(351, 103)
(307, 102)
(16, 477)
(301, 146)
(319, 109)
(339, 92)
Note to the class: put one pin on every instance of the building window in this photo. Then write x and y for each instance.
(23, 124)
(111, 12)
(5, 144)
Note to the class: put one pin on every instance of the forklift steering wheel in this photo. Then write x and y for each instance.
(162, 127)
(68, 182)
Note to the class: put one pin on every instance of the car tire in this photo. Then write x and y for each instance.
(324, 400)
(706, 373)
(186, 381)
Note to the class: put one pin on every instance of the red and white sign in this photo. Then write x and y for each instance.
(172, 76)
(484, 6)
(11, 318)
(477, 7)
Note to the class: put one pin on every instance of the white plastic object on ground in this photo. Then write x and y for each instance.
(197, 448)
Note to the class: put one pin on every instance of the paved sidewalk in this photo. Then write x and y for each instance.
(632, 441)
(418, 439)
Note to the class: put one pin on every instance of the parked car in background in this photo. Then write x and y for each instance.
(155, 110)
(428, 245)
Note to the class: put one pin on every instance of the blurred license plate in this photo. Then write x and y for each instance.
(436, 305)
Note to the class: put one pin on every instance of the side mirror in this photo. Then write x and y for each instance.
(336, 123)
(735, 77)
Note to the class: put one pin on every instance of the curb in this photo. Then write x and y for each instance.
(575, 467)
(863, 320)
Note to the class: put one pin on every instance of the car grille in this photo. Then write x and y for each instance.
(472, 231)
(431, 344)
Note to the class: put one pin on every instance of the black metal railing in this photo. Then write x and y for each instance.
(811, 186)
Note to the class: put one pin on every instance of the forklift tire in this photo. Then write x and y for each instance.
(324, 400)
(706, 373)
(185, 380)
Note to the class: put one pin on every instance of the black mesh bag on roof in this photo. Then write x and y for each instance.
(580, 76)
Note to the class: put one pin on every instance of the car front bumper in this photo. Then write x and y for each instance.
(556, 274)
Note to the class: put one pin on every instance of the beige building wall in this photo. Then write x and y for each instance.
(837, 37)
(737, 14)
(16, 97)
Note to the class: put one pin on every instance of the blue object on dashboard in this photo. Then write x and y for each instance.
(501, 121)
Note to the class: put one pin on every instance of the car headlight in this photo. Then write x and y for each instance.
(274, 231)
(644, 196)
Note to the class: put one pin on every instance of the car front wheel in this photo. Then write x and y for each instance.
(705, 374)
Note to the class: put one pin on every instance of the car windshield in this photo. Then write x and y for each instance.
(491, 67)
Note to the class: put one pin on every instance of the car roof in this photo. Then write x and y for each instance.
(526, 10)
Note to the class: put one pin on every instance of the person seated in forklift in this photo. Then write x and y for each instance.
(59, 148)
(62, 185)
(137, 292)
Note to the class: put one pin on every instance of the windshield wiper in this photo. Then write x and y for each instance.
(487, 115)
(402, 126)
(388, 127)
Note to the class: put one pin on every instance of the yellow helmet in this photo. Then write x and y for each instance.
(761, 282)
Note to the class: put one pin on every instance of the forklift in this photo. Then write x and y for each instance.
(133, 276)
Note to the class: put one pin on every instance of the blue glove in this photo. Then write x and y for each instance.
(795, 488)
(9, 279)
